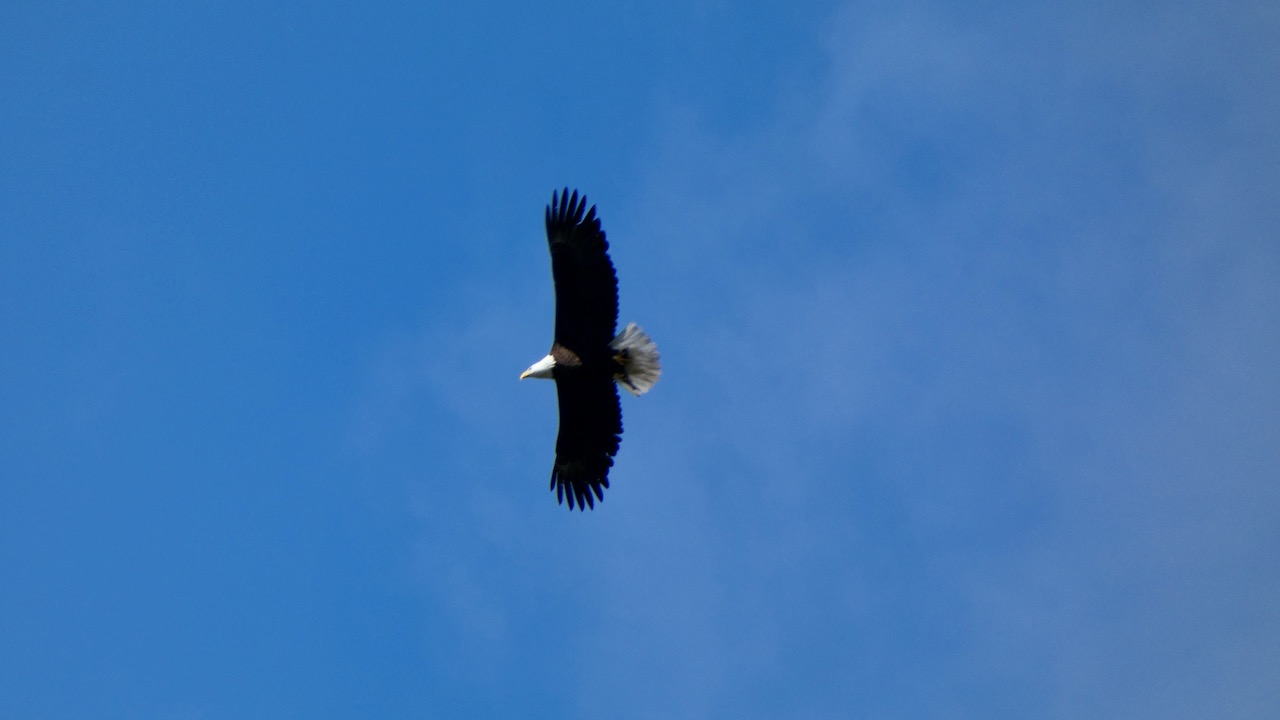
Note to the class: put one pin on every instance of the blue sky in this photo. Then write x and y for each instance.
(970, 316)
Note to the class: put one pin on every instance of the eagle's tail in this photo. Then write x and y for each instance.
(638, 356)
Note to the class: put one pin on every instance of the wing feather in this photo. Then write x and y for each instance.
(585, 281)
(590, 433)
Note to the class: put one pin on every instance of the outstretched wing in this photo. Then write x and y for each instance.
(590, 431)
(586, 285)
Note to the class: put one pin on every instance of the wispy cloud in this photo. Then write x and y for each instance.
(996, 293)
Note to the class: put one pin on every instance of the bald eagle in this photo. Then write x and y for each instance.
(586, 358)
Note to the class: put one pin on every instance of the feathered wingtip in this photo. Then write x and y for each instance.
(566, 209)
(638, 354)
(578, 486)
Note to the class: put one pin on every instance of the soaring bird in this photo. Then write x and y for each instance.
(586, 357)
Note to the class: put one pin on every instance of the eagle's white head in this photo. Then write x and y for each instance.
(540, 369)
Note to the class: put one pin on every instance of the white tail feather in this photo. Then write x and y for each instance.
(641, 365)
